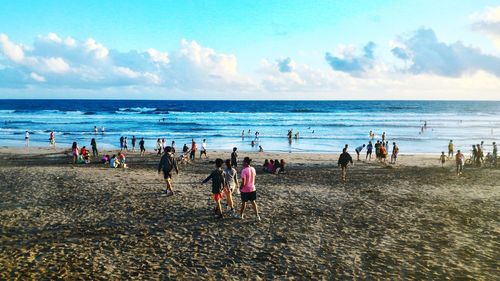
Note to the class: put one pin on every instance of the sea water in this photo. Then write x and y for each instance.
(323, 126)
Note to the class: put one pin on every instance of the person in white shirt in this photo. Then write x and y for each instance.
(27, 139)
(203, 150)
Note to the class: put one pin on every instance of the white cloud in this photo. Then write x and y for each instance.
(37, 77)
(488, 22)
(426, 54)
(88, 64)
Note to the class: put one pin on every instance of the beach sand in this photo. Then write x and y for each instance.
(411, 221)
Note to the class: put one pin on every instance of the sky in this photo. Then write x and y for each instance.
(337, 49)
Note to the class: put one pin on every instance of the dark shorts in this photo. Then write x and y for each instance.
(248, 196)
(167, 175)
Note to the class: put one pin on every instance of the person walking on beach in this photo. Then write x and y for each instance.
(167, 164)
(234, 157)
(359, 149)
(194, 148)
(248, 191)
(459, 159)
(52, 140)
(442, 159)
(203, 150)
(344, 160)
(133, 143)
(93, 144)
(451, 149)
(395, 151)
(142, 147)
(231, 178)
(27, 139)
(369, 149)
(218, 185)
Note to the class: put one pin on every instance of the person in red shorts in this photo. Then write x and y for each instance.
(218, 184)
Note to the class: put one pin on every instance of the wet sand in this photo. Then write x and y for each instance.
(410, 221)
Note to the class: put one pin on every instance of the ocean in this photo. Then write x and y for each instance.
(323, 126)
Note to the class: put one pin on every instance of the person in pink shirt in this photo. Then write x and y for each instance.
(248, 192)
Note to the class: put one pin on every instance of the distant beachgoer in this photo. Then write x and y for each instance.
(276, 167)
(383, 136)
(394, 154)
(172, 144)
(261, 149)
(194, 148)
(480, 155)
(142, 147)
(27, 139)
(474, 154)
(344, 160)
(121, 142)
(105, 159)
(121, 160)
(231, 178)
(52, 139)
(252, 143)
(158, 146)
(459, 159)
(265, 166)
(248, 191)
(249, 132)
(93, 144)
(369, 149)
(370, 134)
(125, 144)
(102, 130)
(482, 145)
(451, 149)
(218, 185)
(114, 162)
(95, 130)
(359, 149)
(383, 152)
(282, 166)
(270, 166)
(290, 133)
(234, 157)
(297, 135)
(442, 159)
(167, 165)
(377, 149)
(495, 153)
(203, 150)
(243, 134)
(163, 144)
(133, 143)
(75, 152)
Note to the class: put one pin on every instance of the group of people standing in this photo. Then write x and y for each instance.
(477, 157)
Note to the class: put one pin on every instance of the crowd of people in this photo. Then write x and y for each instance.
(477, 159)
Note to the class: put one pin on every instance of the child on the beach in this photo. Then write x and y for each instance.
(218, 185)
(167, 164)
(231, 177)
(442, 159)
(248, 192)
(459, 159)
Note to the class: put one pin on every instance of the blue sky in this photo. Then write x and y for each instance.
(242, 45)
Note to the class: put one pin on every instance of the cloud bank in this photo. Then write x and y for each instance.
(426, 54)
(53, 61)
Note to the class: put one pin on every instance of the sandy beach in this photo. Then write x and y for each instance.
(409, 221)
